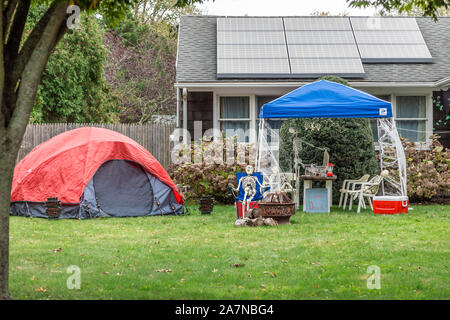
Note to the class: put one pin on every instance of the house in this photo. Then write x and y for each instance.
(228, 67)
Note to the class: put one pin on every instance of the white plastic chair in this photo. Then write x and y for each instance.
(346, 185)
(367, 189)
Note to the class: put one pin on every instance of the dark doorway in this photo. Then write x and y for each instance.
(122, 188)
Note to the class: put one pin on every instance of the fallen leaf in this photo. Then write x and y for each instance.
(57, 250)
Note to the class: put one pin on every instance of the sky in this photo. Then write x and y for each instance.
(280, 7)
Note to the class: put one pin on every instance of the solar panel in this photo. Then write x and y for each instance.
(320, 37)
(390, 40)
(316, 67)
(385, 23)
(249, 24)
(394, 53)
(323, 51)
(251, 37)
(262, 47)
(322, 45)
(251, 51)
(251, 47)
(389, 37)
(248, 68)
(299, 47)
(317, 23)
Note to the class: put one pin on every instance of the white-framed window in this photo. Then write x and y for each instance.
(234, 117)
(410, 114)
(411, 117)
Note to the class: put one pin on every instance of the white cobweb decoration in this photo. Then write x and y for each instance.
(267, 160)
(392, 158)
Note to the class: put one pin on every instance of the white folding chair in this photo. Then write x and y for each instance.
(346, 185)
(366, 189)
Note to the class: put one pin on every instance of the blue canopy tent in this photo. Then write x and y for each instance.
(325, 99)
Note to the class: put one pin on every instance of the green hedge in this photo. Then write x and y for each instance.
(350, 142)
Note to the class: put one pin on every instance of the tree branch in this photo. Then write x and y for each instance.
(15, 35)
(30, 44)
(32, 73)
(61, 32)
(2, 74)
(10, 53)
(8, 15)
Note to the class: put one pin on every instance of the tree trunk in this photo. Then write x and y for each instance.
(14, 121)
(8, 154)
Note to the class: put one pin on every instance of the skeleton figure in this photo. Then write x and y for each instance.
(274, 180)
(277, 182)
(286, 187)
(248, 184)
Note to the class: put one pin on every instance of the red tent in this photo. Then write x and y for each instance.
(64, 165)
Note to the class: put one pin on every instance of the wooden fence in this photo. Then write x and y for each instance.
(154, 137)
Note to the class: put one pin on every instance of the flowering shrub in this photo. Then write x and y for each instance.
(209, 167)
(206, 180)
(428, 171)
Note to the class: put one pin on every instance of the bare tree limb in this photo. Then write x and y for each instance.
(156, 9)
(144, 11)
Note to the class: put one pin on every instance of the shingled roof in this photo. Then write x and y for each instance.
(197, 54)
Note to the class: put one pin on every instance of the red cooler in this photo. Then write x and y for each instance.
(239, 205)
(390, 204)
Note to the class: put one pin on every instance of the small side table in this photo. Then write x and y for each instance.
(307, 184)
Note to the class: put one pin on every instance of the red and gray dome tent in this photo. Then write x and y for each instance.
(94, 172)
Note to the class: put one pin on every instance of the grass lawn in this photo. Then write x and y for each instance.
(206, 257)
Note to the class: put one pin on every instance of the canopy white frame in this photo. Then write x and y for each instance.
(392, 158)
